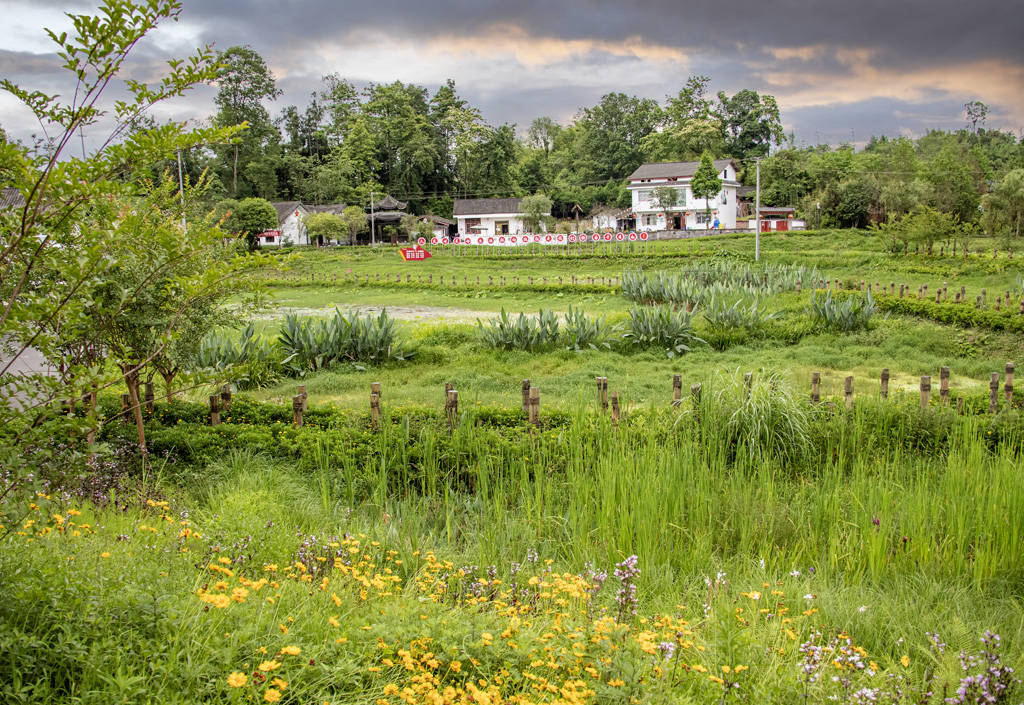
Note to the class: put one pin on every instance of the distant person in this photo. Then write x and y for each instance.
(715, 224)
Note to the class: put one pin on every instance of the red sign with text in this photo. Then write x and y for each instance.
(413, 254)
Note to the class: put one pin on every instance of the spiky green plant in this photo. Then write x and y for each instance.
(848, 313)
(662, 327)
(583, 332)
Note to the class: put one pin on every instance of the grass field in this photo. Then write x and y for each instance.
(748, 546)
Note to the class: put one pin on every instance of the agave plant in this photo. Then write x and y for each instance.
(741, 314)
(311, 344)
(582, 332)
(522, 333)
(847, 314)
(663, 327)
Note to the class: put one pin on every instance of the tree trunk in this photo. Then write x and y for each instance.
(131, 379)
(169, 376)
(234, 175)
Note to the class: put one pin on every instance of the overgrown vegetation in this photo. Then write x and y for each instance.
(846, 313)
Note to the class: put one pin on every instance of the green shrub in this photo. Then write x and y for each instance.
(582, 332)
(662, 327)
(962, 315)
(522, 333)
(311, 344)
(843, 313)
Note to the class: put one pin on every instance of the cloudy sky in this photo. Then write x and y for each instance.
(840, 69)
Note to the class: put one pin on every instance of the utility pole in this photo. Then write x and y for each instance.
(757, 212)
(373, 235)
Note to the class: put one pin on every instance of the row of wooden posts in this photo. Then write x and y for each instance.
(941, 293)
(221, 403)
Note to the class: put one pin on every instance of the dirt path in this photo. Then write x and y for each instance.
(402, 313)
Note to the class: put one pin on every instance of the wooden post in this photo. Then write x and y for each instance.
(375, 407)
(748, 382)
(375, 389)
(297, 411)
(526, 396)
(677, 390)
(926, 390)
(848, 391)
(302, 393)
(1008, 387)
(225, 398)
(815, 387)
(615, 408)
(126, 405)
(885, 383)
(695, 394)
(214, 409)
(149, 397)
(535, 406)
(944, 385)
(602, 392)
(452, 407)
(993, 393)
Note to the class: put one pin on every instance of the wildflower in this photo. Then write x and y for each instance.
(905, 660)
(333, 621)
(291, 650)
(280, 683)
(237, 680)
(390, 689)
(268, 666)
(105, 554)
(272, 695)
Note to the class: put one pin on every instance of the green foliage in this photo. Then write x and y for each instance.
(923, 227)
(252, 360)
(706, 182)
(662, 327)
(536, 211)
(252, 217)
(581, 332)
(964, 315)
(311, 344)
(324, 227)
(845, 313)
(526, 333)
(1004, 205)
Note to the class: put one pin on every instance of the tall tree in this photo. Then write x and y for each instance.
(244, 81)
(706, 182)
(612, 134)
(752, 123)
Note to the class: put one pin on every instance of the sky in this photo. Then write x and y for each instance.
(841, 70)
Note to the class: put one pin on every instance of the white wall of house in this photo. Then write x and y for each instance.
(293, 231)
(489, 222)
(604, 220)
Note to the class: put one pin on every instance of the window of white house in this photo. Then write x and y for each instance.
(725, 197)
(644, 195)
(650, 220)
(703, 217)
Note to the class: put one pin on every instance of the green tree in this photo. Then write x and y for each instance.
(666, 197)
(612, 136)
(691, 125)
(536, 211)
(752, 123)
(354, 220)
(244, 81)
(706, 182)
(324, 227)
(63, 247)
(252, 217)
(1004, 206)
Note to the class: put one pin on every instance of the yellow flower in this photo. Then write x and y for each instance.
(291, 650)
(269, 665)
(456, 666)
(237, 680)
(390, 689)
(615, 682)
(905, 660)
(105, 554)
(272, 695)
(280, 683)
(333, 621)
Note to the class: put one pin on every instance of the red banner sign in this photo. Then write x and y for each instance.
(413, 254)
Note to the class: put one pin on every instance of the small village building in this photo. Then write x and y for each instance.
(385, 219)
(489, 217)
(290, 228)
(439, 227)
(333, 209)
(607, 218)
(689, 213)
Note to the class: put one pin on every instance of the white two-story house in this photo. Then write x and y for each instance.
(688, 213)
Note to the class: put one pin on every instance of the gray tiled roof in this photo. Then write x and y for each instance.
(286, 208)
(679, 170)
(485, 206)
(11, 198)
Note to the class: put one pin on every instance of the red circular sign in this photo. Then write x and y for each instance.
(644, 236)
(433, 241)
(547, 238)
(501, 240)
(632, 236)
(561, 238)
(490, 241)
(572, 238)
(514, 239)
(595, 237)
(422, 241)
(536, 238)
(620, 237)
(607, 237)
(444, 241)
